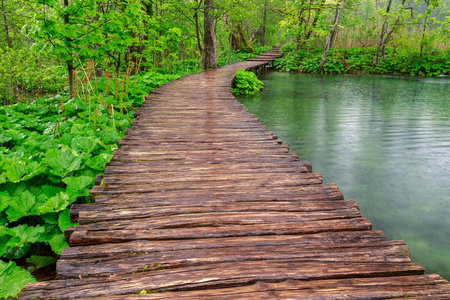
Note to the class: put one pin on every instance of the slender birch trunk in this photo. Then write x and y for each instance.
(330, 36)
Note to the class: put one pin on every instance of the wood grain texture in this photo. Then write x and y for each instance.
(200, 201)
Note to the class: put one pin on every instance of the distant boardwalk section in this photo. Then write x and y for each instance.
(202, 202)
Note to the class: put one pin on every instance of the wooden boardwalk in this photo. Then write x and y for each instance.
(202, 202)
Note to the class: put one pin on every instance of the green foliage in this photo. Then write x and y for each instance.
(24, 73)
(39, 262)
(246, 83)
(12, 279)
(360, 61)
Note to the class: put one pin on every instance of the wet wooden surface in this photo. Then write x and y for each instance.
(202, 202)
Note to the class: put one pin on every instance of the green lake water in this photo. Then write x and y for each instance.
(385, 141)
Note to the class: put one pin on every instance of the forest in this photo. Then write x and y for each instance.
(72, 73)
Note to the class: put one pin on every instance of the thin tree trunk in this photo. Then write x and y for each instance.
(381, 37)
(210, 55)
(69, 62)
(386, 37)
(263, 29)
(197, 29)
(8, 38)
(330, 36)
(376, 9)
(422, 43)
(316, 18)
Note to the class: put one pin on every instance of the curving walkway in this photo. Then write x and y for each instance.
(202, 202)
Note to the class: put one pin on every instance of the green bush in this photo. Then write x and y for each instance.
(246, 83)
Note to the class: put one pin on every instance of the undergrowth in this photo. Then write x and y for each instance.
(360, 61)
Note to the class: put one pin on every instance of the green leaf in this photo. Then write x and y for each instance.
(56, 203)
(58, 243)
(27, 234)
(4, 200)
(50, 218)
(64, 220)
(15, 169)
(13, 252)
(40, 261)
(77, 186)
(62, 162)
(50, 190)
(84, 144)
(21, 206)
(99, 162)
(13, 279)
(34, 168)
(3, 243)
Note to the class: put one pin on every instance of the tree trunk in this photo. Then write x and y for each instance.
(386, 37)
(197, 29)
(8, 38)
(243, 40)
(316, 18)
(234, 42)
(381, 37)
(69, 62)
(376, 15)
(263, 29)
(210, 53)
(422, 40)
(330, 36)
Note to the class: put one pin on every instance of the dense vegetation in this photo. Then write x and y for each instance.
(73, 71)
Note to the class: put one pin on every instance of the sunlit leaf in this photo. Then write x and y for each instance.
(21, 206)
(27, 234)
(64, 220)
(4, 200)
(77, 186)
(62, 161)
(56, 203)
(58, 243)
(13, 279)
(84, 144)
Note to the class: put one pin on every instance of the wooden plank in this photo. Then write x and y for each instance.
(195, 185)
(400, 287)
(237, 193)
(89, 237)
(210, 178)
(142, 246)
(137, 212)
(215, 276)
(391, 251)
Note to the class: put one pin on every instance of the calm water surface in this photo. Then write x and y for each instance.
(384, 140)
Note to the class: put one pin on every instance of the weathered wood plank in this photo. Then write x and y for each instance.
(400, 287)
(142, 246)
(391, 251)
(108, 213)
(90, 237)
(215, 276)
(221, 218)
(195, 185)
